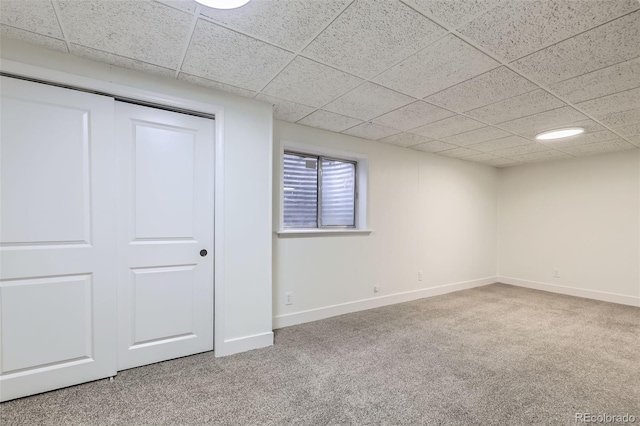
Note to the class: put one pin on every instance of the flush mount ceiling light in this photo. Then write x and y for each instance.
(223, 4)
(559, 134)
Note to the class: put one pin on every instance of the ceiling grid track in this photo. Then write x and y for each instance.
(192, 28)
(544, 87)
(298, 53)
(292, 49)
(65, 33)
(370, 80)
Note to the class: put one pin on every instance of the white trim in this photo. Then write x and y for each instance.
(116, 89)
(218, 236)
(243, 344)
(321, 232)
(295, 318)
(362, 160)
(573, 291)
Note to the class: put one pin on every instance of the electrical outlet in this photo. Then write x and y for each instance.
(556, 272)
(419, 275)
(376, 289)
(288, 298)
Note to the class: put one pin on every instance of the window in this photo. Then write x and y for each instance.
(322, 191)
(319, 192)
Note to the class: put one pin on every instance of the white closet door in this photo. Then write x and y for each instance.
(57, 242)
(165, 234)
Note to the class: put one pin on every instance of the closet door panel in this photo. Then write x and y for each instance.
(57, 238)
(165, 234)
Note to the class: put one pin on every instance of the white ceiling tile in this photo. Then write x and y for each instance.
(129, 29)
(521, 150)
(448, 127)
(481, 158)
(452, 13)
(368, 101)
(286, 110)
(517, 28)
(188, 5)
(600, 47)
(405, 139)
(447, 62)
(502, 143)
(120, 61)
(36, 16)
(602, 82)
(519, 106)
(607, 105)
(370, 131)
(621, 119)
(632, 130)
(476, 136)
(583, 139)
(540, 122)
(310, 83)
(599, 147)
(216, 85)
(287, 23)
(372, 35)
(232, 58)
(459, 152)
(586, 51)
(329, 121)
(493, 86)
(434, 146)
(413, 115)
(501, 162)
(33, 38)
(540, 156)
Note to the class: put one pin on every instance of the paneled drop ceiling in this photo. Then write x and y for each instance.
(470, 79)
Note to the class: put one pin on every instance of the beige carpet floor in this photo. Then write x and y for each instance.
(495, 355)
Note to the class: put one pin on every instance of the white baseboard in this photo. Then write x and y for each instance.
(376, 302)
(242, 344)
(573, 291)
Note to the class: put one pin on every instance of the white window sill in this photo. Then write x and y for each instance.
(293, 233)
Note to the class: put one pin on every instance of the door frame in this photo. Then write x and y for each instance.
(72, 81)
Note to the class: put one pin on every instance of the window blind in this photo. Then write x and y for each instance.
(300, 191)
(338, 193)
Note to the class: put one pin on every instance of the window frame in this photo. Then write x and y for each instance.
(319, 178)
(361, 202)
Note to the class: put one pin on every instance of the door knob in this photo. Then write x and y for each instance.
(203, 252)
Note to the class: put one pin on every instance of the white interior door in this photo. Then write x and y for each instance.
(165, 234)
(57, 242)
